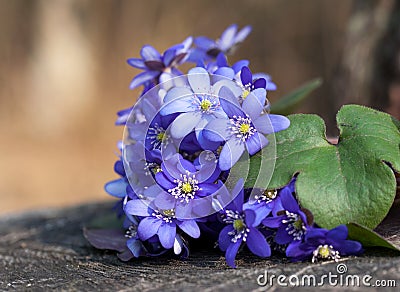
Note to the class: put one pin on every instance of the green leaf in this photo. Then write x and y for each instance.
(287, 103)
(368, 237)
(348, 182)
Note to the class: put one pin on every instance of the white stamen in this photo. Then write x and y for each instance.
(151, 167)
(325, 252)
(292, 228)
(166, 215)
(186, 187)
(242, 128)
(158, 136)
(131, 232)
(266, 196)
(205, 103)
(240, 230)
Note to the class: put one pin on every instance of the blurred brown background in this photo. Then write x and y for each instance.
(63, 75)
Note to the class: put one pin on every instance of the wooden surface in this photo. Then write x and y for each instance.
(46, 250)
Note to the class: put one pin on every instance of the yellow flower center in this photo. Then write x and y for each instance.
(205, 105)
(244, 129)
(239, 225)
(219, 149)
(298, 224)
(169, 212)
(245, 93)
(186, 187)
(270, 194)
(156, 169)
(160, 136)
(324, 252)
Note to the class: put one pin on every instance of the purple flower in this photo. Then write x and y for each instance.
(197, 105)
(322, 244)
(117, 188)
(157, 67)
(133, 242)
(157, 135)
(160, 222)
(123, 116)
(208, 48)
(246, 79)
(240, 229)
(243, 77)
(291, 222)
(271, 86)
(190, 145)
(151, 131)
(221, 67)
(142, 165)
(181, 179)
(244, 127)
(151, 247)
(143, 116)
(182, 186)
(250, 82)
(263, 203)
(126, 243)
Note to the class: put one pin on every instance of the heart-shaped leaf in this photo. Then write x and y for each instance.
(348, 182)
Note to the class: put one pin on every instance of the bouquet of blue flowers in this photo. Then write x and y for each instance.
(186, 155)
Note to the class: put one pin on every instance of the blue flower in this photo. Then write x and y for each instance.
(323, 244)
(117, 188)
(291, 222)
(151, 247)
(240, 228)
(263, 203)
(181, 247)
(257, 80)
(160, 222)
(134, 244)
(190, 145)
(196, 105)
(271, 86)
(127, 243)
(184, 182)
(148, 126)
(141, 165)
(184, 187)
(157, 135)
(246, 78)
(244, 127)
(208, 48)
(221, 67)
(250, 82)
(158, 68)
(123, 116)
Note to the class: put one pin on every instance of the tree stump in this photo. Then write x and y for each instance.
(47, 250)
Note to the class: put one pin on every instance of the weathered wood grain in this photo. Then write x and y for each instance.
(46, 250)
